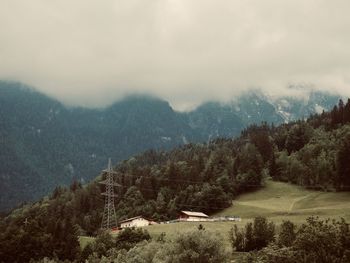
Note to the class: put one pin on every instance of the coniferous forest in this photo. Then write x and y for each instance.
(313, 153)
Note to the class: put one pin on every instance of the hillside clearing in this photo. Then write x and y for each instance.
(281, 201)
(277, 201)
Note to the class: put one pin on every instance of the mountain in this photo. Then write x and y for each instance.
(312, 153)
(44, 143)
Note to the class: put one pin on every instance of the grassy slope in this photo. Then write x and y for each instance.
(280, 201)
(277, 201)
(83, 240)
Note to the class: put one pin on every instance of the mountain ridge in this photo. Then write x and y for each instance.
(45, 143)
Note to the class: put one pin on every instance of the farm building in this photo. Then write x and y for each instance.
(137, 221)
(193, 216)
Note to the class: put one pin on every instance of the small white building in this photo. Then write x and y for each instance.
(193, 216)
(137, 221)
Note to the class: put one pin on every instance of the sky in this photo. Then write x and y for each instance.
(92, 53)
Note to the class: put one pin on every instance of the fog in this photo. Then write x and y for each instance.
(92, 53)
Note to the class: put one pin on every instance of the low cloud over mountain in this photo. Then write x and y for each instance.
(185, 51)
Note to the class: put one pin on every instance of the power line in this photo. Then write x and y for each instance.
(178, 180)
(109, 218)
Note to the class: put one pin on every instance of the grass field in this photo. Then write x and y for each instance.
(83, 240)
(277, 201)
(281, 201)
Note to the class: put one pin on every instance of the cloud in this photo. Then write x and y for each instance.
(91, 52)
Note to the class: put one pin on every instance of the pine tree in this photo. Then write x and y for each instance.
(341, 111)
(273, 169)
(347, 112)
(343, 164)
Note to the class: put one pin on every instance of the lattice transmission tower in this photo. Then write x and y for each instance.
(109, 219)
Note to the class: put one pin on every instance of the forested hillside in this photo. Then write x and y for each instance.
(207, 177)
(44, 143)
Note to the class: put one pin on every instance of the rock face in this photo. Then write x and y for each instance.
(44, 144)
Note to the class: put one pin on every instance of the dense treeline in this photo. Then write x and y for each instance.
(154, 184)
(314, 153)
(316, 240)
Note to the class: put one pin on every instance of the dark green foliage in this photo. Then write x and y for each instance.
(263, 232)
(237, 239)
(105, 245)
(201, 227)
(87, 251)
(317, 240)
(298, 135)
(36, 240)
(260, 136)
(287, 234)
(254, 236)
(128, 237)
(273, 169)
(103, 242)
(194, 247)
(322, 241)
(343, 163)
(340, 114)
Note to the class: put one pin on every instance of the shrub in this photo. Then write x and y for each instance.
(194, 247)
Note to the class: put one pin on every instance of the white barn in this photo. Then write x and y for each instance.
(193, 216)
(137, 221)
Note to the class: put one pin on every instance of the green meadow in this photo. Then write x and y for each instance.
(276, 200)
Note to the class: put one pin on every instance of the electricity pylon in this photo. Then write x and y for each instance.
(109, 219)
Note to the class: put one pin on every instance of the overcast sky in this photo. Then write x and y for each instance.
(186, 51)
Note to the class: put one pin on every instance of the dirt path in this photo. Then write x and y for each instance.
(297, 200)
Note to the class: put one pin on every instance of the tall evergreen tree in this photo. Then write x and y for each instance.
(343, 164)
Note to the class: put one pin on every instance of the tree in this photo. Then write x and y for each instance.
(249, 237)
(322, 241)
(87, 251)
(103, 242)
(343, 164)
(264, 232)
(255, 235)
(341, 111)
(261, 139)
(347, 112)
(287, 234)
(129, 237)
(273, 168)
(298, 136)
(237, 239)
(194, 247)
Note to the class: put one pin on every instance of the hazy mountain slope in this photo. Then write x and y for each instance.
(291, 108)
(215, 120)
(44, 144)
(255, 107)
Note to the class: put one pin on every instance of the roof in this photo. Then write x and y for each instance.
(197, 214)
(132, 218)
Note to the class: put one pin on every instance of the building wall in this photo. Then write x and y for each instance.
(193, 218)
(139, 222)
